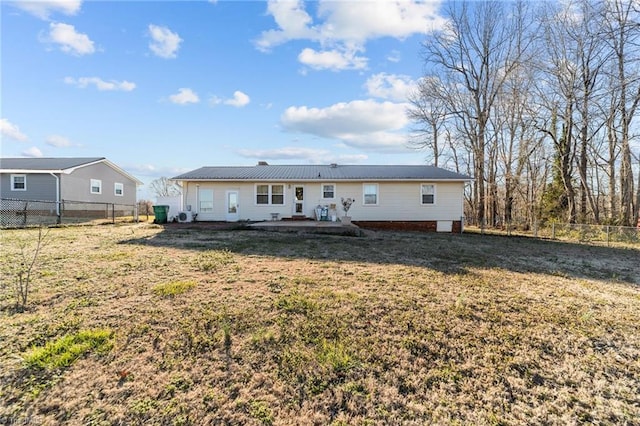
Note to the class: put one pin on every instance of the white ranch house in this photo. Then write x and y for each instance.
(385, 196)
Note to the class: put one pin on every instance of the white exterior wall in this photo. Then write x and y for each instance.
(402, 201)
(397, 201)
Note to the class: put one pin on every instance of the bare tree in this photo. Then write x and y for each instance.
(163, 187)
(26, 267)
(429, 112)
(471, 58)
(622, 21)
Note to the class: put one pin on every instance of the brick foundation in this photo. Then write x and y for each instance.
(423, 225)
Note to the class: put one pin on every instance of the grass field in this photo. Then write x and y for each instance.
(140, 324)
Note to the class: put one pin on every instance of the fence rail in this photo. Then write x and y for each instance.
(15, 213)
(596, 234)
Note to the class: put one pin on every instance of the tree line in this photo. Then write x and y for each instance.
(538, 102)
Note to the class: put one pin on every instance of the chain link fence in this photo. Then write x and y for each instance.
(15, 213)
(583, 233)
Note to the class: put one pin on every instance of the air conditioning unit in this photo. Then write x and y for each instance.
(185, 217)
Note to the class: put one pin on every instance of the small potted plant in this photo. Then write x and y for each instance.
(346, 205)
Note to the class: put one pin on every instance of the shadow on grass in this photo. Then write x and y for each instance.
(447, 253)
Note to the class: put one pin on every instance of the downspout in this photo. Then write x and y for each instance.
(198, 198)
(57, 195)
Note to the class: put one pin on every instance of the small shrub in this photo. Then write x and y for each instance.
(173, 288)
(66, 350)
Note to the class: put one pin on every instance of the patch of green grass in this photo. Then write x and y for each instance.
(335, 356)
(66, 350)
(173, 288)
(213, 260)
(260, 411)
(296, 303)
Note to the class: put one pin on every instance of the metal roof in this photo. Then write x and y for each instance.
(45, 163)
(56, 165)
(321, 172)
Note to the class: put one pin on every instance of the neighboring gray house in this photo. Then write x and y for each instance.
(89, 180)
(402, 196)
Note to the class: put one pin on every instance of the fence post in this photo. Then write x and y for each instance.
(461, 224)
(608, 237)
(113, 213)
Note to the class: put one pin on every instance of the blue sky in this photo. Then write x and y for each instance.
(161, 87)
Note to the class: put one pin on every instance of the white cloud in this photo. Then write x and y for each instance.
(389, 86)
(361, 124)
(10, 130)
(239, 99)
(32, 152)
(302, 154)
(70, 40)
(346, 26)
(346, 118)
(293, 22)
(334, 60)
(102, 85)
(394, 56)
(355, 22)
(165, 43)
(154, 171)
(44, 8)
(58, 141)
(184, 96)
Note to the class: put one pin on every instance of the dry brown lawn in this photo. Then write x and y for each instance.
(245, 327)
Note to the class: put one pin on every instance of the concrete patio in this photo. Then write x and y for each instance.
(308, 226)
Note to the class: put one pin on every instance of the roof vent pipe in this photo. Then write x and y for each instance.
(262, 163)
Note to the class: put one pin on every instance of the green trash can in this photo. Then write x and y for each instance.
(161, 213)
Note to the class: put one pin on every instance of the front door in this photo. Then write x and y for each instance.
(232, 207)
(298, 203)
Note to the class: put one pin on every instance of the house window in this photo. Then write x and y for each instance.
(205, 197)
(428, 192)
(96, 186)
(262, 194)
(119, 189)
(370, 191)
(277, 194)
(18, 182)
(270, 194)
(328, 190)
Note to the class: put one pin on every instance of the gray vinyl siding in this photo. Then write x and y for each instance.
(40, 186)
(77, 185)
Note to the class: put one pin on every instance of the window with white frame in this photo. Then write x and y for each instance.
(18, 182)
(428, 192)
(277, 194)
(118, 189)
(262, 194)
(96, 186)
(205, 200)
(328, 191)
(370, 194)
(270, 194)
